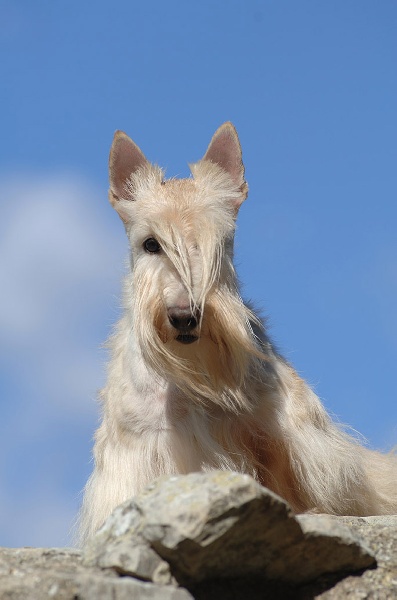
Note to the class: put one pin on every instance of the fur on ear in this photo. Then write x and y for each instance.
(124, 159)
(225, 150)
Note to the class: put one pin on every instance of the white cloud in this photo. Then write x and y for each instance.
(53, 248)
(60, 267)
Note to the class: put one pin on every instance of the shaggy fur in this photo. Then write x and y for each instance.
(194, 383)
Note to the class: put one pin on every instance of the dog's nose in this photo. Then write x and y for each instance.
(182, 318)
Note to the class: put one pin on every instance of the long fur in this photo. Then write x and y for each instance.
(228, 400)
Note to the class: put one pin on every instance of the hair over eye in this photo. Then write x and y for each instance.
(152, 246)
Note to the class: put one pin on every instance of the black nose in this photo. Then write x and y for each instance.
(182, 318)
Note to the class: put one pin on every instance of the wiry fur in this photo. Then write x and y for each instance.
(228, 400)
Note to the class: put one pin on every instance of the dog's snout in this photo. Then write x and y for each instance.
(182, 319)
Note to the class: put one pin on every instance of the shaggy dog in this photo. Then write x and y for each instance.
(194, 383)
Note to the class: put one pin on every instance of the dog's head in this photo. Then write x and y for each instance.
(187, 313)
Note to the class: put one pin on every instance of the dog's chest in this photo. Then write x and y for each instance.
(155, 407)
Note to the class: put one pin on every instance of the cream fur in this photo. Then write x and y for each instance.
(228, 400)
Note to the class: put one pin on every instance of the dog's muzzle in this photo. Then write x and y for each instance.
(184, 321)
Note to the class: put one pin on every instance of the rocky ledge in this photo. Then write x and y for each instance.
(210, 536)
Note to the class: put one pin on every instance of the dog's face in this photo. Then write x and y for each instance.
(184, 298)
(180, 231)
(174, 241)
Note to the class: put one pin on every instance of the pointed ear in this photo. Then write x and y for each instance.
(124, 159)
(225, 151)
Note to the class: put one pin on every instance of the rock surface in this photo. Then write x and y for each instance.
(380, 535)
(214, 536)
(58, 574)
(219, 525)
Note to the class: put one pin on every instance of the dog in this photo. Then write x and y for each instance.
(194, 383)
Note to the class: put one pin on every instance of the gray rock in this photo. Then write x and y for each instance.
(329, 543)
(58, 574)
(221, 525)
(226, 537)
(115, 546)
(380, 535)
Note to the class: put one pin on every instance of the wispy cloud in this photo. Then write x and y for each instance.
(60, 266)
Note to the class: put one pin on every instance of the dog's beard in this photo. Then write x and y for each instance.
(216, 366)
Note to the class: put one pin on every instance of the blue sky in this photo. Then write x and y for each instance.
(312, 89)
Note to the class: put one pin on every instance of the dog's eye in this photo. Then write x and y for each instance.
(151, 245)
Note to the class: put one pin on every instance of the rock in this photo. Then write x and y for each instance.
(221, 525)
(380, 535)
(222, 536)
(329, 542)
(58, 574)
(128, 553)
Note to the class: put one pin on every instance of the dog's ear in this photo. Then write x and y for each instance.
(225, 150)
(124, 159)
